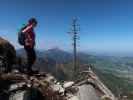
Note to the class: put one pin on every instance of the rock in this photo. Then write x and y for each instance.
(68, 84)
(21, 86)
(7, 54)
(18, 87)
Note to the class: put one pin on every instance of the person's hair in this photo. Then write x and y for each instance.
(32, 20)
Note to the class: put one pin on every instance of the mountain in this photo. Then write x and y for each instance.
(113, 71)
(110, 64)
(58, 55)
(16, 85)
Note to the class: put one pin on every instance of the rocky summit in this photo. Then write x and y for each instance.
(16, 85)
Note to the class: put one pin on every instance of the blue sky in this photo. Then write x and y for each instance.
(106, 25)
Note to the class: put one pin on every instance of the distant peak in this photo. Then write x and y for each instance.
(55, 49)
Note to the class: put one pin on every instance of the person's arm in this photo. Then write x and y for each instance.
(27, 29)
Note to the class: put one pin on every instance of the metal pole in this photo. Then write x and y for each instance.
(74, 32)
(75, 48)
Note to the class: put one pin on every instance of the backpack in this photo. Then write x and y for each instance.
(21, 36)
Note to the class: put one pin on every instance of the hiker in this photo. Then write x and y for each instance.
(29, 43)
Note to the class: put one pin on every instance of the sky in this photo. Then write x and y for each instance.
(105, 25)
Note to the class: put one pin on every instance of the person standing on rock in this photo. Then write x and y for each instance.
(29, 43)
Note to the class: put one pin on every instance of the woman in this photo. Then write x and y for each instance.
(30, 43)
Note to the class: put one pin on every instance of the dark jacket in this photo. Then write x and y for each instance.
(29, 36)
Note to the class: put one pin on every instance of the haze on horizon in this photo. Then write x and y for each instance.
(106, 25)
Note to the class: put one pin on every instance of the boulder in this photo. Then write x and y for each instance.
(7, 54)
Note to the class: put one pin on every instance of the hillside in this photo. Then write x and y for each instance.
(114, 71)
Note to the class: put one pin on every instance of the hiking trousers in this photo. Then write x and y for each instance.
(31, 57)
